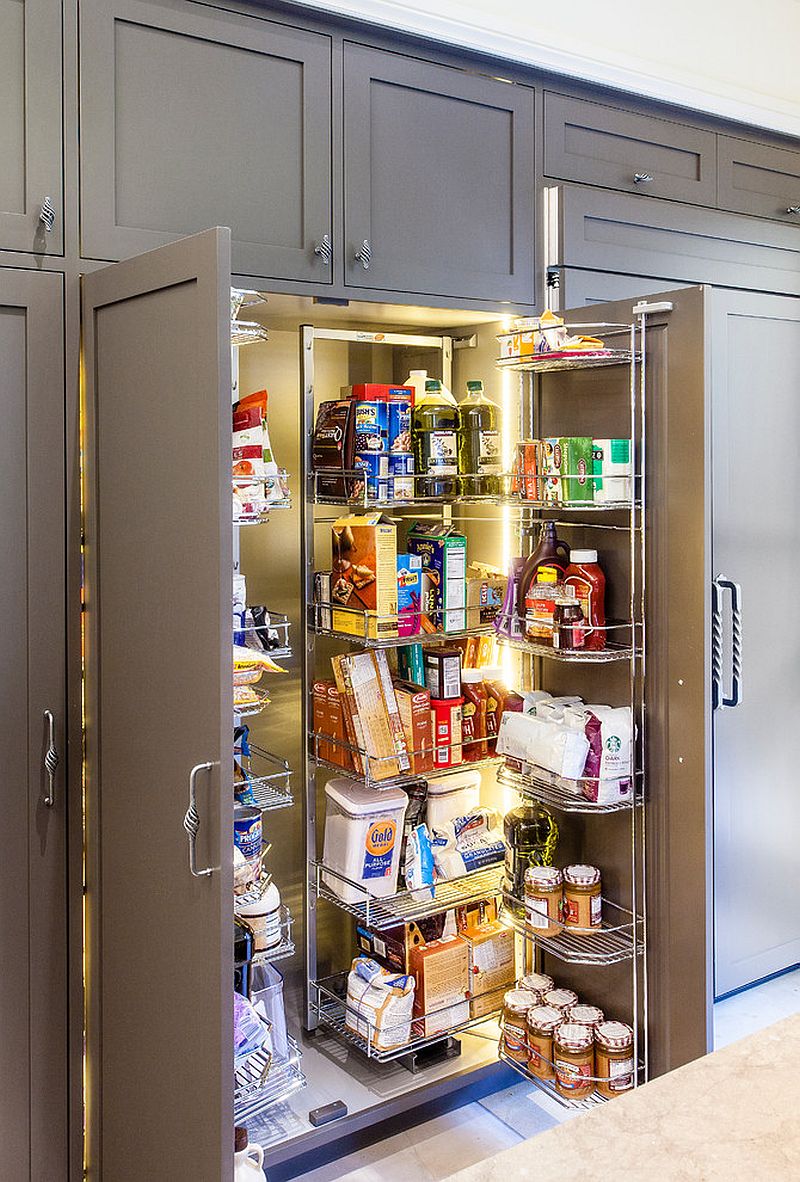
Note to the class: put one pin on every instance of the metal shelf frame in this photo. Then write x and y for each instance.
(563, 794)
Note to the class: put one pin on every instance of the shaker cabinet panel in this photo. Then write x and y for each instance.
(759, 179)
(190, 117)
(619, 149)
(439, 180)
(30, 125)
(33, 910)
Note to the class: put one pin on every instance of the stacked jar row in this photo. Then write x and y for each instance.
(557, 1038)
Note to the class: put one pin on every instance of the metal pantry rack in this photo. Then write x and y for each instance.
(372, 630)
(549, 1088)
(560, 793)
(260, 1080)
(614, 941)
(278, 623)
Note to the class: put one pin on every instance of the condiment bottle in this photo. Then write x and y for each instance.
(550, 551)
(568, 625)
(544, 894)
(434, 434)
(543, 1022)
(587, 582)
(573, 1059)
(583, 904)
(537, 983)
(531, 836)
(490, 676)
(613, 1044)
(473, 715)
(479, 444)
(561, 999)
(540, 605)
(585, 1015)
(500, 699)
(516, 1004)
(416, 380)
(247, 1159)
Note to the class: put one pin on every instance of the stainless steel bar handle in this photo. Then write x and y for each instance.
(324, 249)
(364, 254)
(642, 178)
(734, 698)
(191, 822)
(793, 209)
(716, 648)
(51, 760)
(47, 214)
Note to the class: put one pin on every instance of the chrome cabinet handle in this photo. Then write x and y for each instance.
(721, 700)
(51, 760)
(191, 822)
(793, 209)
(364, 254)
(324, 249)
(642, 178)
(47, 214)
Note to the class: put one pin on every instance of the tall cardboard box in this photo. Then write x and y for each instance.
(443, 551)
(491, 966)
(414, 704)
(441, 972)
(364, 576)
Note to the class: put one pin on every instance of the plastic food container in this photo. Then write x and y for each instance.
(363, 835)
(454, 796)
(264, 918)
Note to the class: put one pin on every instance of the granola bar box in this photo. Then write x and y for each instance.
(364, 576)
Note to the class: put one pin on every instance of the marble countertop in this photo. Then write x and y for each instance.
(731, 1115)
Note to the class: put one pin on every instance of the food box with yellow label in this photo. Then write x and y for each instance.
(364, 576)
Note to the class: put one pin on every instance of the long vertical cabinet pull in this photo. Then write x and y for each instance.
(721, 700)
(51, 760)
(191, 822)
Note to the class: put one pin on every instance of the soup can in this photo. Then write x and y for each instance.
(247, 834)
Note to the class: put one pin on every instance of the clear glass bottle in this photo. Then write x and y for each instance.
(480, 449)
(434, 434)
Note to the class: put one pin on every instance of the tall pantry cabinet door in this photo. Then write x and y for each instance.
(193, 117)
(30, 126)
(157, 399)
(439, 179)
(33, 910)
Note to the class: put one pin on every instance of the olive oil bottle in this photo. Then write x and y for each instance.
(480, 450)
(434, 434)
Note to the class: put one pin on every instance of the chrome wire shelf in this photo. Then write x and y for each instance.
(248, 634)
(323, 748)
(613, 651)
(611, 943)
(259, 699)
(385, 627)
(403, 907)
(548, 1086)
(558, 792)
(284, 948)
(329, 1001)
(269, 779)
(255, 497)
(558, 361)
(261, 1080)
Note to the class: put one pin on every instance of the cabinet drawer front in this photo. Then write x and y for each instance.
(193, 117)
(606, 146)
(760, 179)
(438, 179)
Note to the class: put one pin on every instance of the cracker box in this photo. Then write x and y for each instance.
(364, 576)
(576, 469)
(486, 589)
(414, 704)
(441, 972)
(393, 946)
(443, 551)
(491, 966)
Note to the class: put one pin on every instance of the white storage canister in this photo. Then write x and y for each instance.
(363, 836)
(451, 797)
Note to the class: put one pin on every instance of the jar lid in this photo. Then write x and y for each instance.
(573, 1037)
(538, 982)
(545, 1018)
(546, 878)
(584, 1015)
(562, 999)
(520, 1000)
(580, 875)
(615, 1036)
(582, 557)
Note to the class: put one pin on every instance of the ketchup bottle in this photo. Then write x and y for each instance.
(589, 587)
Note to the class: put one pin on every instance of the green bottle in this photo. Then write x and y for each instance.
(434, 435)
(480, 447)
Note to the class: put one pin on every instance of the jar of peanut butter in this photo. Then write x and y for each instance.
(543, 1021)
(562, 999)
(516, 1004)
(573, 1059)
(544, 895)
(613, 1044)
(590, 1016)
(537, 983)
(583, 905)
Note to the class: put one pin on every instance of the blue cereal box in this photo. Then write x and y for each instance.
(409, 592)
(443, 551)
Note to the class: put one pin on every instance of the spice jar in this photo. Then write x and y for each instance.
(590, 1016)
(613, 1042)
(562, 999)
(537, 983)
(516, 1004)
(573, 1058)
(544, 894)
(568, 625)
(583, 906)
(543, 1021)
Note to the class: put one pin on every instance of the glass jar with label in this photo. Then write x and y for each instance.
(568, 625)
(590, 1016)
(514, 1038)
(583, 904)
(543, 1021)
(544, 894)
(573, 1059)
(613, 1042)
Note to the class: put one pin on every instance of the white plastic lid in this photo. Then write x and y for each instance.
(359, 800)
(582, 557)
(492, 673)
(418, 373)
(454, 783)
(269, 901)
(472, 676)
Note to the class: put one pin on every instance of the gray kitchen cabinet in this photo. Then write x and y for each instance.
(33, 907)
(192, 116)
(759, 178)
(159, 1001)
(30, 125)
(439, 180)
(579, 289)
(620, 149)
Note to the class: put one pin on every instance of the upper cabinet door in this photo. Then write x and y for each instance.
(760, 179)
(194, 117)
(439, 180)
(619, 149)
(159, 712)
(30, 126)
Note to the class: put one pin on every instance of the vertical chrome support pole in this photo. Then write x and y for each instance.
(307, 583)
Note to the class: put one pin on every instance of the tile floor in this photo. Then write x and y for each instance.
(450, 1142)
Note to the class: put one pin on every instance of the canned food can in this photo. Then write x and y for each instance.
(247, 834)
(400, 425)
(371, 427)
(375, 466)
